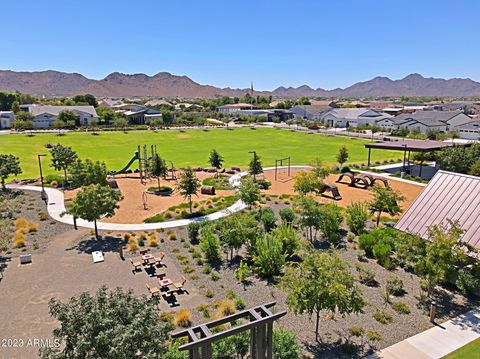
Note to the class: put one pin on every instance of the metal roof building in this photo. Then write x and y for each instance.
(449, 195)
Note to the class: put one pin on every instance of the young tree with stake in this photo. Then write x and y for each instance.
(216, 161)
(62, 158)
(189, 185)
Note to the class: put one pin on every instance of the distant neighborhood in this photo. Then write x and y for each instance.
(423, 119)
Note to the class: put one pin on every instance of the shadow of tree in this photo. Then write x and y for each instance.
(104, 244)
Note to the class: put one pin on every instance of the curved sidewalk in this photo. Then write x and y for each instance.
(56, 207)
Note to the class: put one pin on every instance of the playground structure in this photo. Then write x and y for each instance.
(281, 169)
(363, 180)
(144, 158)
(332, 189)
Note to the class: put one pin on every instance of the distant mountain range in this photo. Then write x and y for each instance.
(164, 84)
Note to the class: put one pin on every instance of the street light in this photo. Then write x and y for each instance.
(43, 193)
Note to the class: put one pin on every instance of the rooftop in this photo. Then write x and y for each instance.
(448, 196)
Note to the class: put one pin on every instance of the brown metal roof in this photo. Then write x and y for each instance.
(448, 196)
(410, 145)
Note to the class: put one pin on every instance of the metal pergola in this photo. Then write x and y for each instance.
(280, 161)
(260, 324)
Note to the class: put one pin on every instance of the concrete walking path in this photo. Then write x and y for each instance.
(438, 341)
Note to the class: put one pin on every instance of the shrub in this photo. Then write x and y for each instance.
(204, 309)
(172, 236)
(188, 270)
(264, 184)
(356, 331)
(193, 231)
(365, 275)
(382, 252)
(287, 215)
(19, 240)
(21, 223)
(141, 241)
(183, 318)
(126, 236)
(373, 336)
(214, 276)
(230, 294)
(330, 221)
(401, 308)
(268, 219)
(42, 216)
(225, 307)
(32, 227)
(366, 242)
(285, 344)
(467, 282)
(132, 246)
(269, 257)
(382, 316)
(289, 238)
(153, 242)
(357, 217)
(394, 286)
(209, 294)
(210, 245)
(239, 303)
(243, 272)
(207, 269)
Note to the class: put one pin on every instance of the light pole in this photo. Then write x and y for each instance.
(43, 193)
(254, 164)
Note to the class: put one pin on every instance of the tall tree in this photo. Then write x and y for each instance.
(309, 211)
(216, 161)
(255, 166)
(189, 185)
(385, 200)
(158, 168)
(110, 325)
(70, 118)
(62, 158)
(249, 191)
(9, 165)
(88, 172)
(342, 155)
(307, 182)
(321, 282)
(94, 202)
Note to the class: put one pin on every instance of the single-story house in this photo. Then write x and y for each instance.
(309, 112)
(234, 108)
(352, 117)
(439, 121)
(45, 115)
(6, 119)
(109, 103)
(155, 103)
(469, 130)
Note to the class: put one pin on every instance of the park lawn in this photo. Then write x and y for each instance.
(469, 351)
(190, 147)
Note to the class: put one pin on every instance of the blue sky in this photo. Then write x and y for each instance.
(324, 44)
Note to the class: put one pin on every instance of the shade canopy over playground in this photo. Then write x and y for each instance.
(407, 146)
(449, 195)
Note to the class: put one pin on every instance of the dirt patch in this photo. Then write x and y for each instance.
(183, 136)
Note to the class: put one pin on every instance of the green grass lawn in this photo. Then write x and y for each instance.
(469, 351)
(191, 147)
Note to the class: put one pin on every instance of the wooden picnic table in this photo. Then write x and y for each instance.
(165, 282)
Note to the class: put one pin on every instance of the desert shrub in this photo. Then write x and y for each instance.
(289, 238)
(264, 184)
(382, 316)
(209, 294)
(207, 269)
(132, 246)
(269, 257)
(285, 344)
(356, 331)
(268, 219)
(365, 275)
(21, 223)
(183, 318)
(401, 308)
(42, 216)
(126, 236)
(188, 270)
(230, 294)
(193, 231)
(204, 309)
(366, 243)
(394, 286)
(467, 282)
(330, 220)
(214, 276)
(153, 242)
(225, 307)
(243, 272)
(382, 252)
(239, 303)
(209, 244)
(172, 236)
(19, 240)
(32, 227)
(357, 217)
(373, 336)
(287, 215)
(378, 236)
(141, 241)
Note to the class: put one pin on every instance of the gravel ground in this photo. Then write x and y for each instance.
(334, 331)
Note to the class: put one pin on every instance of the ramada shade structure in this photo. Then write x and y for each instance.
(408, 146)
(449, 195)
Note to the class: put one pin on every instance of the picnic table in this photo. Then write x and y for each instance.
(165, 282)
(147, 257)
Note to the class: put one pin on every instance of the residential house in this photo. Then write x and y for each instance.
(109, 103)
(138, 114)
(352, 117)
(45, 115)
(309, 112)
(158, 103)
(6, 119)
(469, 130)
(437, 121)
(234, 108)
